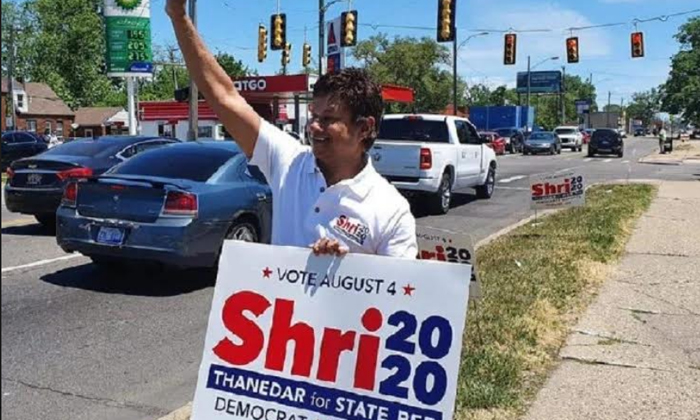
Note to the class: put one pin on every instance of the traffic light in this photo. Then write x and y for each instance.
(262, 43)
(510, 49)
(286, 54)
(348, 29)
(572, 52)
(279, 31)
(446, 20)
(637, 45)
(306, 59)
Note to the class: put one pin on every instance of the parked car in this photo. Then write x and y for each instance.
(606, 141)
(571, 137)
(542, 142)
(35, 185)
(515, 138)
(639, 131)
(586, 136)
(494, 141)
(433, 155)
(20, 144)
(695, 134)
(173, 206)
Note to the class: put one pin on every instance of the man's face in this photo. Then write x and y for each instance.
(335, 136)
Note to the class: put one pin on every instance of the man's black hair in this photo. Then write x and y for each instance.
(355, 89)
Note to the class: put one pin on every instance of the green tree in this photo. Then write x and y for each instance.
(418, 64)
(233, 67)
(644, 106)
(68, 50)
(682, 89)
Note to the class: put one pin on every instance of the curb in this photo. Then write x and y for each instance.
(183, 413)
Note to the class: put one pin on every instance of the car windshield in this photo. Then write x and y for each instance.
(414, 130)
(541, 136)
(566, 131)
(505, 132)
(194, 163)
(87, 148)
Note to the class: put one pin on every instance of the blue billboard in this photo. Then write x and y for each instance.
(540, 82)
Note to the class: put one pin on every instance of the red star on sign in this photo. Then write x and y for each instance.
(408, 290)
(267, 272)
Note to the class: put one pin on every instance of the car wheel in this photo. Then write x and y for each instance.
(486, 190)
(48, 221)
(559, 150)
(552, 150)
(243, 230)
(525, 152)
(441, 200)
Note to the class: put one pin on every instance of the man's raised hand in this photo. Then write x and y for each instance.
(176, 8)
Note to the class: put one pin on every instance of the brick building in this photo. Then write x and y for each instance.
(38, 109)
(101, 121)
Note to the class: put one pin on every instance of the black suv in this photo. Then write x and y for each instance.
(606, 141)
(20, 144)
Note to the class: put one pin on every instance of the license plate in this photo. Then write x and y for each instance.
(110, 236)
(34, 179)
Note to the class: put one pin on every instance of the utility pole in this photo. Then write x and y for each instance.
(321, 34)
(562, 96)
(527, 125)
(11, 76)
(454, 69)
(607, 114)
(171, 52)
(193, 131)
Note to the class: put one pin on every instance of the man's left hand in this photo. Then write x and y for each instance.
(327, 246)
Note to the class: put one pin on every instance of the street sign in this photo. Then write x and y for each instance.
(128, 26)
(540, 82)
(583, 106)
(373, 337)
(443, 245)
(558, 190)
(335, 58)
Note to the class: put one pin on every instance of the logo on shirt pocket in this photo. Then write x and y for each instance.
(351, 229)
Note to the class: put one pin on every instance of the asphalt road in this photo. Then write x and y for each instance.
(80, 343)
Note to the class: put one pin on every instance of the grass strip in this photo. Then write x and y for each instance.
(535, 281)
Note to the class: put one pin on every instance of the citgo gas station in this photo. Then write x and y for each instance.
(282, 100)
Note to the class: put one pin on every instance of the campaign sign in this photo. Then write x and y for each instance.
(448, 246)
(562, 189)
(293, 336)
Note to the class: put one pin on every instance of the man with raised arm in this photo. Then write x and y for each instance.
(327, 196)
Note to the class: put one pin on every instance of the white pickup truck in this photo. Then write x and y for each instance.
(434, 155)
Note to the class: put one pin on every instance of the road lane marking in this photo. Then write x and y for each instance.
(607, 160)
(625, 161)
(511, 179)
(588, 160)
(18, 223)
(40, 263)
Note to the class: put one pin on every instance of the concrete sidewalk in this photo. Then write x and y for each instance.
(635, 354)
(687, 151)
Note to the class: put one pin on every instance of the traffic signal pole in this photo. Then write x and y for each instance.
(454, 73)
(193, 130)
(528, 92)
(321, 34)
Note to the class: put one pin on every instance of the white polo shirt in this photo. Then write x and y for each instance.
(366, 214)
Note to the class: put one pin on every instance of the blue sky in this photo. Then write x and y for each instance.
(231, 26)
